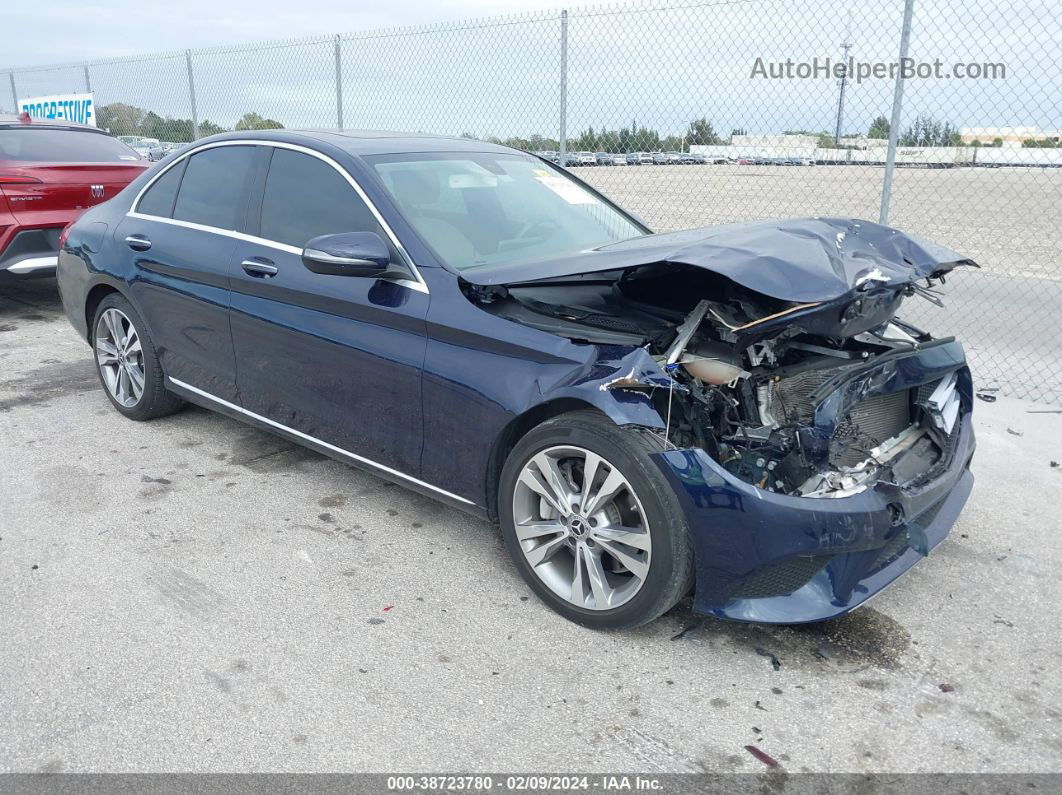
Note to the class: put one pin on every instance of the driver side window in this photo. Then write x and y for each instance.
(305, 197)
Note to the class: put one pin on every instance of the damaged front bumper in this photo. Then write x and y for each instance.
(774, 558)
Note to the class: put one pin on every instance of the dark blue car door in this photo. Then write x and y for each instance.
(337, 358)
(180, 239)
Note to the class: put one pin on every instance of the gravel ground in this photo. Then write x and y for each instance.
(191, 594)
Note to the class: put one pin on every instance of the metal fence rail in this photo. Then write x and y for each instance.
(968, 162)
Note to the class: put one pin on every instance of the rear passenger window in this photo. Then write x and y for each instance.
(305, 197)
(159, 198)
(214, 189)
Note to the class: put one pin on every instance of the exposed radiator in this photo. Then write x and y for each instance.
(868, 424)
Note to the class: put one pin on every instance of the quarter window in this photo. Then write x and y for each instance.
(214, 189)
(159, 198)
(306, 197)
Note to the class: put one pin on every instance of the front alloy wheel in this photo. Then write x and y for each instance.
(591, 523)
(581, 527)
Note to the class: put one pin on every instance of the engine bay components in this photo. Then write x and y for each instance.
(801, 397)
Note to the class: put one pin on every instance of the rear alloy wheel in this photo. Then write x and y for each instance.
(120, 357)
(127, 364)
(591, 523)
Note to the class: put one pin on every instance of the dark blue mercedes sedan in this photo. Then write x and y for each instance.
(736, 411)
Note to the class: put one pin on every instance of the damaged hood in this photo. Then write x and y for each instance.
(803, 260)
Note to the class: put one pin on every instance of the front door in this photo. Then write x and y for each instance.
(337, 358)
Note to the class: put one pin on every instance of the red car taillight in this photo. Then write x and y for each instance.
(64, 235)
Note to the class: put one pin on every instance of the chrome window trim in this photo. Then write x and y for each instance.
(315, 440)
(417, 283)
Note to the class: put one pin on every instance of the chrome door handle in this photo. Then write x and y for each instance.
(259, 268)
(138, 242)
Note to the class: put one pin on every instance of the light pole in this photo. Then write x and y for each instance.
(846, 46)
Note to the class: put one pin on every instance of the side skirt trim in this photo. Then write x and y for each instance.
(354, 457)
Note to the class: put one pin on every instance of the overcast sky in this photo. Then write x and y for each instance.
(74, 30)
(658, 63)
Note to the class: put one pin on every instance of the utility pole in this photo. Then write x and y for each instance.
(894, 122)
(563, 158)
(846, 45)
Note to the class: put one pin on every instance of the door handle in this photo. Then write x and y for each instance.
(138, 242)
(259, 267)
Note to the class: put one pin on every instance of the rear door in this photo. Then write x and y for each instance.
(180, 240)
(337, 358)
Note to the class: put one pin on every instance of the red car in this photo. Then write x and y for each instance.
(51, 172)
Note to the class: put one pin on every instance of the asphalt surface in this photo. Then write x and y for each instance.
(193, 595)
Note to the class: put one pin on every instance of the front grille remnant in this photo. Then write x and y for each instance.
(783, 578)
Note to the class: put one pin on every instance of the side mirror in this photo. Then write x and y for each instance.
(347, 254)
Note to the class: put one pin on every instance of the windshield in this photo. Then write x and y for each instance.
(39, 145)
(481, 208)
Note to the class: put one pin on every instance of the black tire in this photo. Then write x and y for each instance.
(670, 573)
(155, 400)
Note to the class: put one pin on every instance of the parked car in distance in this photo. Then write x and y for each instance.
(692, 158)
(610, 159)
(50, 172)
(157, 153)
(642, 413)
(144, 146)
(582, 159)
(640, 159)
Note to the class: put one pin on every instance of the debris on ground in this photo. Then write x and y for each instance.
(760, 706)
(767, 759)
(987, 397)
(686, 630)
(1054, 465)
(775, 662)
(389, 607)
(1013, 432)
(1043, 411)
(945, 687)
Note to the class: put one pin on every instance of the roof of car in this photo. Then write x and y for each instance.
(371, 142)
(9, 120)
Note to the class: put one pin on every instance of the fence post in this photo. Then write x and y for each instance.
(894, 123)
(564, 90)
(14, 94)
(88, 82)
(339, 85)
(191, 95)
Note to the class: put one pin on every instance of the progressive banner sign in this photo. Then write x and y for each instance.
(69, 107)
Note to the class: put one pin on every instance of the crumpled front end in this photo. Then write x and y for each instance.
(818, 441)
(778, 558)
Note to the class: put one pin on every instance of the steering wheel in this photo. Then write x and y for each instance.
(547, 225)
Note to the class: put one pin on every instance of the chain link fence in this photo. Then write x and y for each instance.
(697, 113)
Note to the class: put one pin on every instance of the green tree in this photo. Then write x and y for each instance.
(879, 128)
(701, 133)
(117, 118)
(252, 121)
